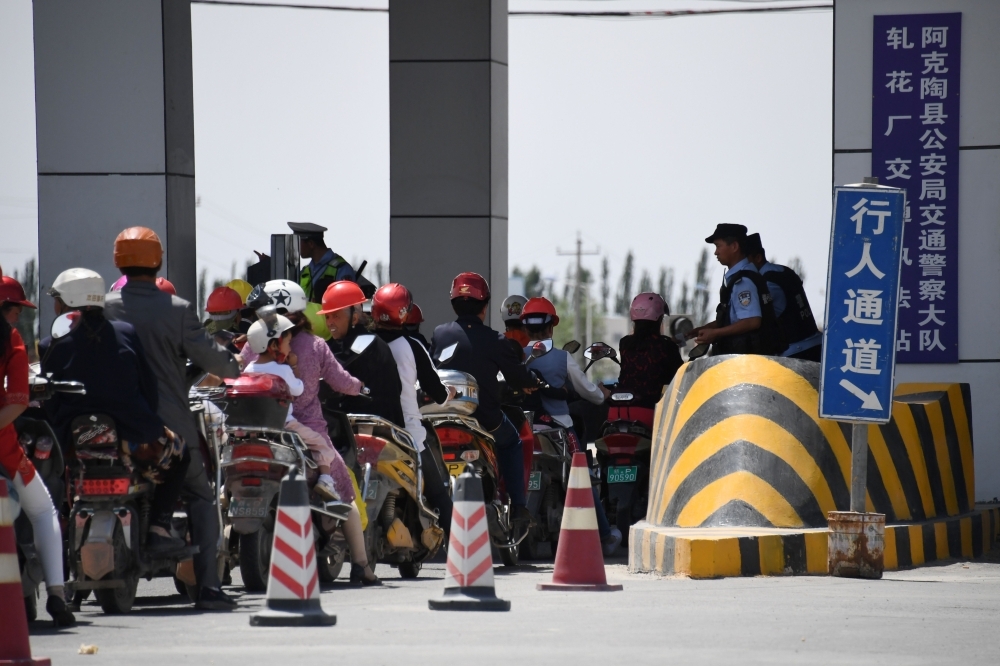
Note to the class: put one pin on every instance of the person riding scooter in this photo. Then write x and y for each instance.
(34, 496)
(649, 360)
(107, 357)
(390, 309)
(483, 353)
(510, 312)
(224, 319)
(414, 318)
(171, 334)
(558, 367)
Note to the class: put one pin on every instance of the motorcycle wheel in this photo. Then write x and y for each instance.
(410, 570)
(508, 555)
(329, 567)
(529, 547)
(255, 558)
(119, 600)
(623, 521)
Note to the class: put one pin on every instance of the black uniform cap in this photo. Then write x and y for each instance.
(727, 231)
(307, 229)
(753, 245)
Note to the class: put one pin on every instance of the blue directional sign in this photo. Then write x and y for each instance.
(862, 290)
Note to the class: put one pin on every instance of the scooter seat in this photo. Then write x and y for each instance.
(643, 415)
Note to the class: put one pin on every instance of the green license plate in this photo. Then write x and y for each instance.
(535, 481)
(623, 474)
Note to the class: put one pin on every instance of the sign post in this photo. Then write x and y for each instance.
(859, 351)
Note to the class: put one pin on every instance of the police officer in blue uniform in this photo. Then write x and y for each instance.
(744, 321)
(791, 307)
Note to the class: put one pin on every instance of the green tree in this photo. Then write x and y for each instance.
(795, 263)
(202, 292)
(666, 286)
(702, 297)
(27, 322)
(645, 283)
(605, 283)
(624, 296)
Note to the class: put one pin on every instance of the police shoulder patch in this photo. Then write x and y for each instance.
(744, 297)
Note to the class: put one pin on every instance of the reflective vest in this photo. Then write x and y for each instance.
(796, 322)
(767, 339)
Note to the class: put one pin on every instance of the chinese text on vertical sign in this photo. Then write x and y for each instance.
(861, 306)
(915, 119)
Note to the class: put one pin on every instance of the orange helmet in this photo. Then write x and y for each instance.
(340, 295)
(391, 304)
(165, 285)
(470, 285)
(223, 299)
(138, 247)
(11, 291)
(539, 310)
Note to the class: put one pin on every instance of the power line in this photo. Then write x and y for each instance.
(665, 13)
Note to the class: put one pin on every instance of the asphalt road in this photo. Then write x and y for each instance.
(931, 615)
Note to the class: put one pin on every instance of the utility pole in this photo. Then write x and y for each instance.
(578, 314)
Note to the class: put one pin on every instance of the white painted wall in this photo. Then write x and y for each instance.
(979, 194)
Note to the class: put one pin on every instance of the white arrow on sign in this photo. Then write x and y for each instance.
(868, 400)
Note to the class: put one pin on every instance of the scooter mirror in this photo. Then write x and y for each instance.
(64, 324)
(680, 326)
(447, 353)
(538, 350)
(597, 351)
(361, 343)
(572, 347)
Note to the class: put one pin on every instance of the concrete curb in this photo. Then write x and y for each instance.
(716, 552)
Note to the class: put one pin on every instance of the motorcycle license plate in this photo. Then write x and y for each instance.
(250, 507)
(455, 468)
(623, 474)
(535, 481)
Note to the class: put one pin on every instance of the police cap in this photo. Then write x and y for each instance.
(753, 245)
(307, 229)
(727, 231)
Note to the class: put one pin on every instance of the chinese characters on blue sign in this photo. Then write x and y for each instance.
(862, 294)
(915, 119)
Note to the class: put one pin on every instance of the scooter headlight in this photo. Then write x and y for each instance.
(284, 454)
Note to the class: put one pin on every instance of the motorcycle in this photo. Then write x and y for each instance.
(109, 515)
(402, 530)
(623, 450)
(42, 448)
(465, 445)
(257, 454)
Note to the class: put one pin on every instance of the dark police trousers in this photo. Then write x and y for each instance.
(511, 460)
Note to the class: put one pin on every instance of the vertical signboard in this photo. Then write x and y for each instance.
(862, 294)
(915, 120)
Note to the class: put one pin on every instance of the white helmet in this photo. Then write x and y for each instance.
(79, 288)
(286, 294)
(264, 330)
(511, 307)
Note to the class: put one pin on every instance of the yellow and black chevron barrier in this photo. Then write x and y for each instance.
(743, 472)
(739, 442)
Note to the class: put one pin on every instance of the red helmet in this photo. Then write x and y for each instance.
(223, 299)
(11, 291)
(539, 310)
(340, 295)
(470, 285)
(165, 285)
(415, 317)
(391, 304)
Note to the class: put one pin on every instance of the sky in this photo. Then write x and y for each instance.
(641, 135)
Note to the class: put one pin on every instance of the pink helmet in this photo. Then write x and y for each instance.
(119, 283)
(647, 307)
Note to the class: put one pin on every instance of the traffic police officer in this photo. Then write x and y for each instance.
(325, 266)
(791, 307)
(744, 321)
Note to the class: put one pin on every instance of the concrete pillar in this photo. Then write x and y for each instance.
(448, 147)
(115, 134)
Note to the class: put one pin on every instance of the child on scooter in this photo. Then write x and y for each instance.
(272, 342)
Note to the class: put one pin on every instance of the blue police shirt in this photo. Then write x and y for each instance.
(744, 302)
(778, 299)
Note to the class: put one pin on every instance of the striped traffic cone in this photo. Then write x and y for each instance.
(14, 646)
(468, 583)
(293, 586)
(579, 560)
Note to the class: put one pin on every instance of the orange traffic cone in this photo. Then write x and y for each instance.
(468, 583)
(14, 646)
(293, 586)
(579, 560)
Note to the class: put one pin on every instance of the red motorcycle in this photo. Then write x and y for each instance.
(623, 450)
